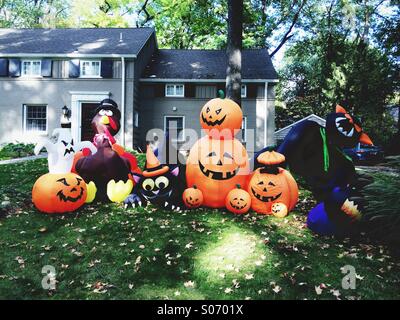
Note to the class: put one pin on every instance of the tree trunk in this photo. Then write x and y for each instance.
(234, 50)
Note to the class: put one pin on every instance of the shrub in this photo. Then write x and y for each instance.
(16, 150)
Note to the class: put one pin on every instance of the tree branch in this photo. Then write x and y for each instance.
(288, 34)
(143, 9)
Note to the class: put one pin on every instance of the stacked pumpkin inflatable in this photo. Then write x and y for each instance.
(272, 189)
(218, 162)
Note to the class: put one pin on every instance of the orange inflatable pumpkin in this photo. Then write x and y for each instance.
(59, 193)
(192, 197)
(238, 201)
(216, 167)
(221, 117)
(271, 185)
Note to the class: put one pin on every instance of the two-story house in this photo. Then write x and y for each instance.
(47, 72)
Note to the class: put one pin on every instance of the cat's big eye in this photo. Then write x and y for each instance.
(148, 184)
(162, 182)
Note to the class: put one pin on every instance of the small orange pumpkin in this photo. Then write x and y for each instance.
(271, 184)
(192, 197)
(59, 193)
(238, 201)
(221, 118)
(216, 167)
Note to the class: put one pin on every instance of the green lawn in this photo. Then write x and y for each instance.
(107, 252)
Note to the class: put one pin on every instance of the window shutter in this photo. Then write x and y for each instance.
(107, 68)
(251, 91)
(3, 67)
(159, 90)
(74, 70)
(14, 67)
(190, 90)
(47, 65)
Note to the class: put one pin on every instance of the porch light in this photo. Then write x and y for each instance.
(65, 111)
(65, 117)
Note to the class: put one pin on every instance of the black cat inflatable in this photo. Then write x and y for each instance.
(158, 184)
(315, 153)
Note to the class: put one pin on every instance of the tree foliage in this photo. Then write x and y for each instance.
(32, 13)
(341, 58)
(335, 51)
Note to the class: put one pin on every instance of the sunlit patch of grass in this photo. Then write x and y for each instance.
(234, 254)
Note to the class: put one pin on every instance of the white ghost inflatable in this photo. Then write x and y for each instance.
(61, 153)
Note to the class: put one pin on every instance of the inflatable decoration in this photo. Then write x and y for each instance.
(216, 167)
(218, 162)
(315, 153)
(221, 117)
(157, 184)
(238, 201)
(192, 197)
(118, 192)
(61, 153)
(59, 192)
(318, 221)
(111, 162)
(273, 190)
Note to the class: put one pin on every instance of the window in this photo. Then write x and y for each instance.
(244, 129)
(31, 68)
(206, 91)
(35, 119)
(177, 124)
(243, 91)
(136, 119)
(90, 69)
(174, 90)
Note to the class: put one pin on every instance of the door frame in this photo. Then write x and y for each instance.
(77, 98)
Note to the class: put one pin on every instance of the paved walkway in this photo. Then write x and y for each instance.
(11, 161)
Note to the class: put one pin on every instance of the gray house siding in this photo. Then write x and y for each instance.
(53, 93)
(154, 110)
(141, 62)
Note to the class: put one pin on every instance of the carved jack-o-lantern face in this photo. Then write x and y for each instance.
(192, 197)
(238, 201)
(221, 115)
(58, 193)
(216, 167)
(267, 189)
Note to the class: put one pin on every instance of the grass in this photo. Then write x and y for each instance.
(106, 252)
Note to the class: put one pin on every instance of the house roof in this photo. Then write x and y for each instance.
(69, 41)
(207, 64)
(281, 133)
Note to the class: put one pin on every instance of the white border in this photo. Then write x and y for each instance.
(31, 75)
(244, 129)
(77, 98)
(89, 76)
(175, 95)
(245, 91)
(35, 133)
(183, 137)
